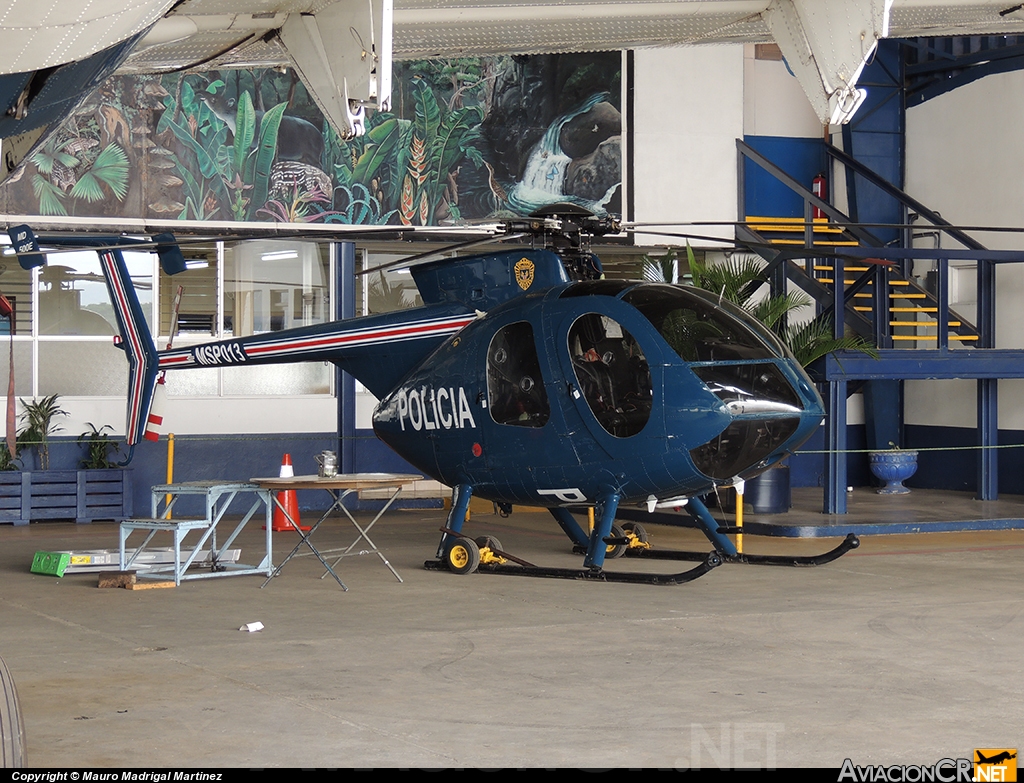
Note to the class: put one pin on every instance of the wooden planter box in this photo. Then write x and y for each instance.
(81, 495)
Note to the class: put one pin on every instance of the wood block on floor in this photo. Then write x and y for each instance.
(147, 585)
(116, 578)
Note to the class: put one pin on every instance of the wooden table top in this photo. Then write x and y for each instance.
(341, 481)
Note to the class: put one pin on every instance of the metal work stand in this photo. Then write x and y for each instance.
(218, 497)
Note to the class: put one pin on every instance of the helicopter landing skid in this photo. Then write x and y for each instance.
(709, 561)
(460, 553)
(849, 543)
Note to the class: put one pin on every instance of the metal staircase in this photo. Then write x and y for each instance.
(917, 335)
(912, 309)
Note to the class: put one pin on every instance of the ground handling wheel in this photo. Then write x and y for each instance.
(12, 728)
(462, 555)
(488, 541)
(635, 529)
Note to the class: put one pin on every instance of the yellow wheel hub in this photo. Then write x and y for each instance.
(458, 556)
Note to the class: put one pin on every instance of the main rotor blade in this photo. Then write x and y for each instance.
(801, 223)
(60, 242)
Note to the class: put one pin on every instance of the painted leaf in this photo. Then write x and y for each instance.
(384, 138)
(245, 129)
(110, 169)
(50, 197)
(266, 151)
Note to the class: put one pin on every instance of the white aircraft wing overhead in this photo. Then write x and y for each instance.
(37, 34)
(53, 53)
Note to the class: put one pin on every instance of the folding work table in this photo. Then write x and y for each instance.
(217, 497)
(338, 487)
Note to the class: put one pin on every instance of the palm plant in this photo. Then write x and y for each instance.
(38, 417)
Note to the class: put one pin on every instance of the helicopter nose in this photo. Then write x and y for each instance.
(772, 410)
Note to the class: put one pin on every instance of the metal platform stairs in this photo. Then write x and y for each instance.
(917, 335)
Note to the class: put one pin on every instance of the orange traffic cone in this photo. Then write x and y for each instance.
(288, 499)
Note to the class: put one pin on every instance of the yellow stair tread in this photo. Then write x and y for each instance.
(895, 296)
(913, 309)
(821, 243)
(900, 283)
(820, 225)
(929, 337)
(925, 324)
(900, 309)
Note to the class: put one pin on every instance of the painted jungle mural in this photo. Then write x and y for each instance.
(467, 139)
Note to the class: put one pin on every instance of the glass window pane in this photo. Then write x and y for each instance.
(16, 285)
(197, 312)
(82, 369)
(700, 328)
(269, 379)
(270, 285)
(388, 289)
(22, 367)
(73, 296)
(612, 372)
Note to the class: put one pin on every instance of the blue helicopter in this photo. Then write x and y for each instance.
(526, 378)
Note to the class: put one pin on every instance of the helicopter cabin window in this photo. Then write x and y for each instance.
(612, 373)
(515, 389)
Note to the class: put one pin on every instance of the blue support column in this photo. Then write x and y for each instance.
(835, 444)
(988, 429)
(988, 407)
(942, 311)
(835, 422)
(345, 384)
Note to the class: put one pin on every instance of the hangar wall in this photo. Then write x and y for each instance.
(964, 159)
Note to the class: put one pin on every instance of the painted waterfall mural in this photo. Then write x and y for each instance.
(467, 139)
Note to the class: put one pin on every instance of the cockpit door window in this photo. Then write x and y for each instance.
(515, 389)
(612, 373)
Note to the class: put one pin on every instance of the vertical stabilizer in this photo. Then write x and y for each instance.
(135, 340)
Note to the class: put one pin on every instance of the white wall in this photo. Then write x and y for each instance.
(965, 159)
(774, 104)
(688, 112)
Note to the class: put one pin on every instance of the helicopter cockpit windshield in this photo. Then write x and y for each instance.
(700, 328)
(735, 356)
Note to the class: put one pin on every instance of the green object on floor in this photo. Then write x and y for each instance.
(52, 563)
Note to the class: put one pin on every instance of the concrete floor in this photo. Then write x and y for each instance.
(906, 651)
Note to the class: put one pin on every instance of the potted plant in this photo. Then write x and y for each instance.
(893, 466)
(99, 448)
(38, 417)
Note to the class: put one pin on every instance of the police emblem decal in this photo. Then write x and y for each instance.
(524, 273)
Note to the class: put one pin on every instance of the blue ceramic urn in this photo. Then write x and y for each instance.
(893, 467)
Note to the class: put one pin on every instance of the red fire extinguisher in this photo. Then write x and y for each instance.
(820, 189)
